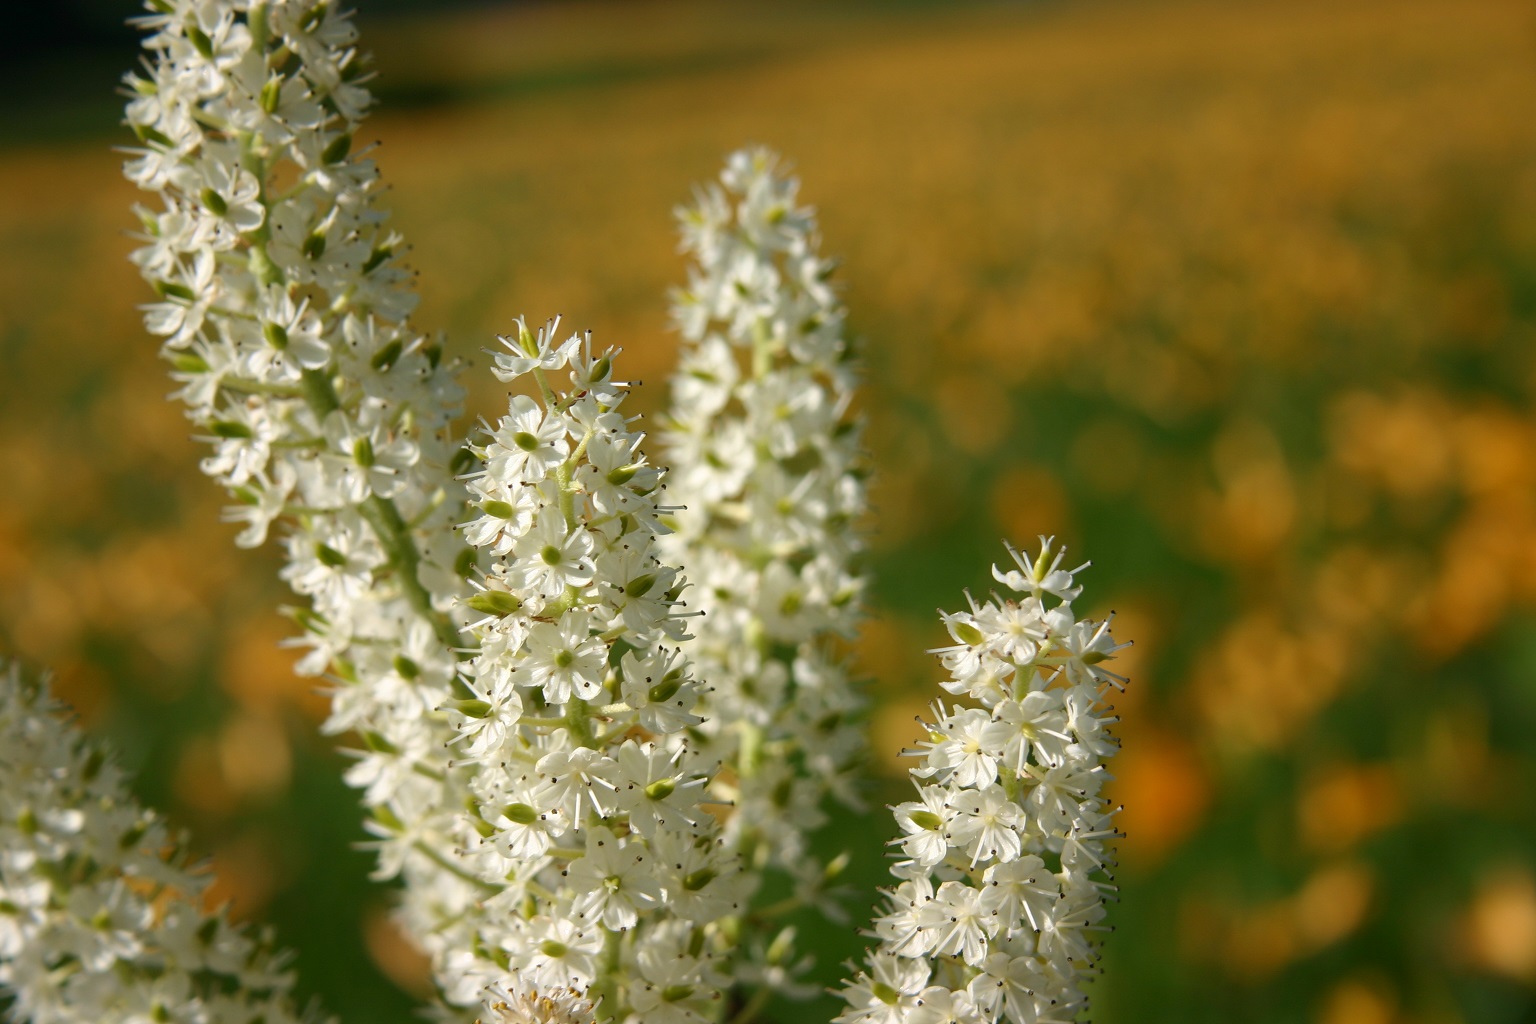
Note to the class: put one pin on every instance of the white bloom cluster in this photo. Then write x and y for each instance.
(541, 765)
(1006, 849)
(100, 915)
(766, 458)
(605, 875)
(282, 308)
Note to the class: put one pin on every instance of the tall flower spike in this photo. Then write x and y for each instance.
(603, 874)
(100, 911)
(282, 303)
(766, 458)
(1006, 852)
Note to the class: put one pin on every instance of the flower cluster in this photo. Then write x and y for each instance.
(100, 915)
(604, 874)
(766, 458)
(1006, 848)
(283, 305)
(580, 797)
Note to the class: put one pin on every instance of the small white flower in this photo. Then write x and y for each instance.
(927, 822)
(93, 882)
(565, 659)
(526, 444)
(613, 882)
(551, 556)
(527, 352)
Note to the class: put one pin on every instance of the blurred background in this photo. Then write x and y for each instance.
(1237, 296)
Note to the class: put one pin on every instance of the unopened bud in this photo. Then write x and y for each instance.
(472, 708)
(522, 814)
(385, 357)
(495, 602)
(337, 149)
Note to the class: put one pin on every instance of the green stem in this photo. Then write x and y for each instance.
(388, 525)
(608, 985)
(785, 906)
(754, 1005)
(449, 866)
(578, 719)
(245, 386)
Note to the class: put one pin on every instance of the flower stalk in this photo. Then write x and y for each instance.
(101, 913)
(1007, 850)
(767, 460)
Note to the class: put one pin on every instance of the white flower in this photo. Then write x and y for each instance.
(767, 463)
(558, 1006)
(887, 993)
(613, 882)
(558, 954)
(281, 305)
(103, 918)
(966, 747)
(926, 822)
(527, 352)
(565, 659)
(1002, 788)
(552, 556)
(605, 832)
(526, 444)
(987, 825)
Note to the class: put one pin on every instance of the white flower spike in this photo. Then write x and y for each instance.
(767, 459)
(283, 306)
(100, 908)
(1007, 848)
(603, 874)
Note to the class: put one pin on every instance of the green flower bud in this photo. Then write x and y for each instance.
(928, 820)
(337, 149)
(522, 814)
(376, 258)
(667, 688)
(230, 429)
(189, 362)
(498, 509)
(386, 357)
(200, 41)
(314, 246)
(329, 556)
(378, 743)
(472, 708)
(968, 634)
(495, 602)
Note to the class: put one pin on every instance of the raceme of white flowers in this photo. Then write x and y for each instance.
(100, 911)
(580, 796)
(766, 458)
(282, 307)
(604, 873)
(1005, 851)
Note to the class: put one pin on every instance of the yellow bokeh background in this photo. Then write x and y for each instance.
(1239, 298)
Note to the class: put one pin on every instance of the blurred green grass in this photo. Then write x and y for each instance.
(1239, 298)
